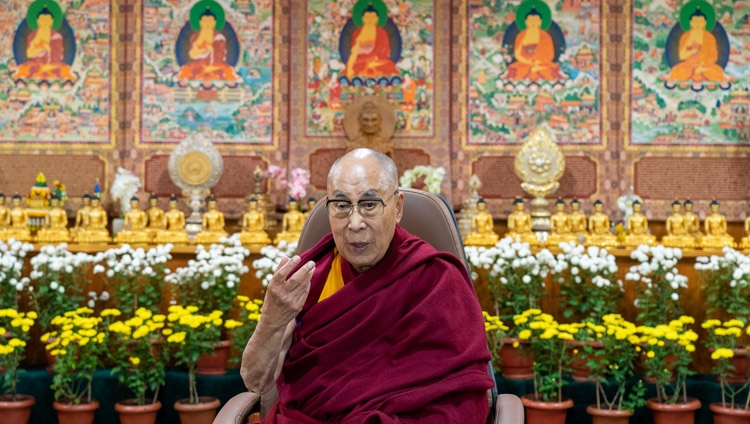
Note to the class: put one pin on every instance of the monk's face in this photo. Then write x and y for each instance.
(369, 122)
(364, 241)
(370, 18)
(44, 21)
(697, 22)
(533, 21)
(208, 22)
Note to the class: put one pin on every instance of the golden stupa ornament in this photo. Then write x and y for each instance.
(540, 164)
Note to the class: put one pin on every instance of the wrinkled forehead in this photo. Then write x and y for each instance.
(359, 178)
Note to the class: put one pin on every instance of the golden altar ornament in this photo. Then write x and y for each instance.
(213, 224)
(716, 230)
(38, 202)
(637, 225)
(599, 228)
(482, 227)
(540, 164)
(560, 227)
(266, 207)
(253, 235)
(195, 168)
(82, 217)
(134, 228)
(692, 222)
(310, 205)
(291, 224)
(155, 217)
(4, 217)
(520, 224)
(174, 225)
(745, 243)
(95, 229)
(677, 233)
(578, 222)
(19, 222)
(56, 222)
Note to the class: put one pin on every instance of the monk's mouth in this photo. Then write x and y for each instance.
(359, 246)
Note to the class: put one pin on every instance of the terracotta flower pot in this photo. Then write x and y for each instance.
(16, 411)
(197, 413)
(132, 413)
(741, 364)
(538, 412)
(579, 366)
(678, 413)
(516, 363)
(216, 363)
(726, 415)
(609, 416)
(75, 414)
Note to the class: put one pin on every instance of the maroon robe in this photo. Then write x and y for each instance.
(403, 342)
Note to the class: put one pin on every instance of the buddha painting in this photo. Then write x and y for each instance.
(207, 47)
(482, 227)
(535, 42)
(677, 232)
(637, 225)
(370, 42)
(519, 224)
(599, 231)
(55, 224)
(716, 230)
(697, 55)
(44, 46)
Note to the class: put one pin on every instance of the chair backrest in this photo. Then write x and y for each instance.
(426, 215)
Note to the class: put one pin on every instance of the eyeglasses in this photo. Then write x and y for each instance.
(367, 208)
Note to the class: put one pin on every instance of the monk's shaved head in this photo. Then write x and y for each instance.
(364, 159)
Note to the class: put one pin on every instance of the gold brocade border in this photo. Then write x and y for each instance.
(463, 67)
(277, 70)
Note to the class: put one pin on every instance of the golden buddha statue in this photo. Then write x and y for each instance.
(578, 222)
(291, 224)
(155, 217)
(599, 232)
(174, 225)
(519, 224)
(745, 244)
(716, 230)
(677, 234)
(95, 231)
(482, 227)
(55, 224)
(253, 235)
(637, 224)
(560, 231)
(19, 222)
(82, 217)
(134, 227)
(213, 224)
(310, 205)
(692, 222)
(4, 217)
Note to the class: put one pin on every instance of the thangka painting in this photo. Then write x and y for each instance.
(55, 71)
(358, 47)
(207, 67)
(691, 73)
(534, 63)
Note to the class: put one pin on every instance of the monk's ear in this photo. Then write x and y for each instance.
(399, 206)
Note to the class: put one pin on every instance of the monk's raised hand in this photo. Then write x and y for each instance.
(286, 294)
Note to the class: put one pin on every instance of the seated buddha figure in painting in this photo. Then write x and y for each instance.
(716, 230)
(95, 231)
(745, 243)
(55, 224)
(19, 221)
(698, 49)
(637, 224)
(677, 234)
(45, 45)
(519, 224)
(291, 223)
(599, 228)
(482, 227)
(692, 222)
(533, 46)
(370, 51)
(134, 227)
(155, 216)
(174, 225)
(560, 229)
(253, 235)
(207, 56)
(213, 224)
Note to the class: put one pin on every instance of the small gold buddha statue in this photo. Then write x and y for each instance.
(637, 224)
(578, 222)
(55, 224)
(253, 236)
(19, 222)
(155, 217)
(82, 217)
(692, 222)
(745, 244)
(560, 231)
(134, 227)
(96, 231)
(310, 205)
(599, 232)
(291, 224)
(716, 230)
(677, 234)
(174, 224)
(482, 227)
(519, 224)
(4, 217)
(213, 224)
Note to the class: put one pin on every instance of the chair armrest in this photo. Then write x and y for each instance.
(237, 409)
(509, 410)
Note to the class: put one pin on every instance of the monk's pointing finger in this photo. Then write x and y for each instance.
(303, 275)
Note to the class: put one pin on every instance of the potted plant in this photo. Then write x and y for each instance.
(725, 280)
(551, 360)
(496, 331)
(247, 319)
(658, 283)
(78, 342)
(667, 352)
(14, 407)
(723, 341)
(139, 357)
(136, 276)
(191, 334)
(614, 363)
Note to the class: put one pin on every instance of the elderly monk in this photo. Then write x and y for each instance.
(372, 324)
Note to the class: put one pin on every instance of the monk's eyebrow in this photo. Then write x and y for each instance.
(369, 194)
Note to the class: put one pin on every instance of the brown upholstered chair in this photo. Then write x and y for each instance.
(426, 216)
